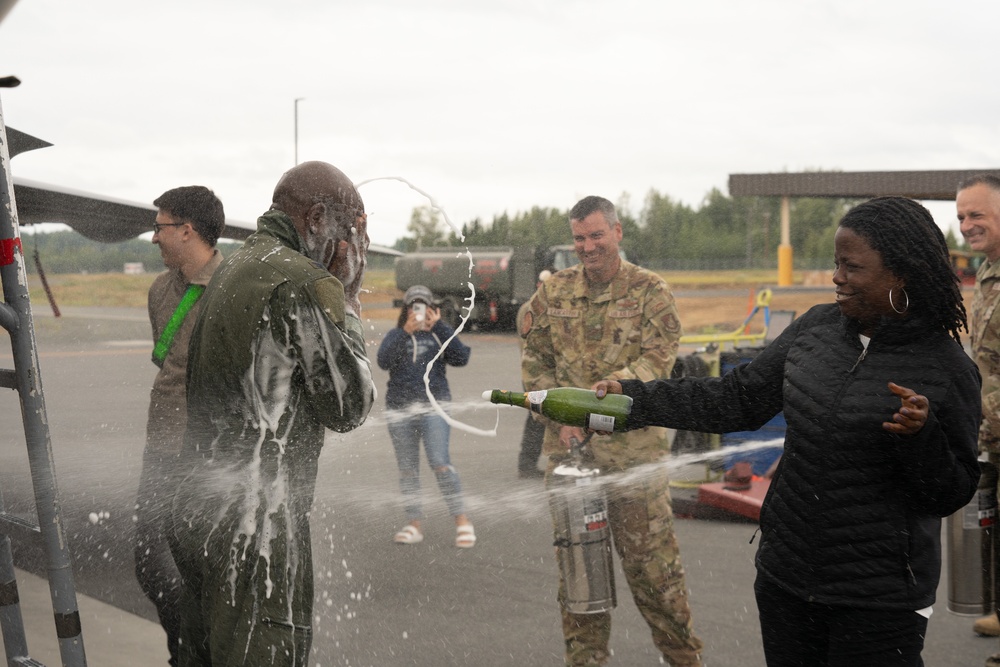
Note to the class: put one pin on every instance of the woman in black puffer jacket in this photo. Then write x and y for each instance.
(883, 410)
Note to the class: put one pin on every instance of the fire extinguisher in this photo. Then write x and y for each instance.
(583, 536)
(971, 534)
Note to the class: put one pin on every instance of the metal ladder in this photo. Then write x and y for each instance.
(25, 378)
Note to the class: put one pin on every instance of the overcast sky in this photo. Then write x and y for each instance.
(498, 105)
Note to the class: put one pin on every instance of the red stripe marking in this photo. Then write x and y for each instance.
(7, 250)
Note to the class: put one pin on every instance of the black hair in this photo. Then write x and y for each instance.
(913, 248)
(199, 206)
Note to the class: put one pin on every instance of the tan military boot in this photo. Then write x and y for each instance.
(987, 626)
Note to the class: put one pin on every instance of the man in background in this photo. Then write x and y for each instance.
(534, 429)
(188, 223)
(978, 207)
(277, 356)
(606, 318)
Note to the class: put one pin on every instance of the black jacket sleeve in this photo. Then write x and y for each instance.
(744, 399)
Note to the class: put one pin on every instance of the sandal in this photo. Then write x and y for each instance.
(466, 537)
(409, 535)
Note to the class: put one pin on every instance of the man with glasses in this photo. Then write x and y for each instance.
(188, 224)
(277, 356)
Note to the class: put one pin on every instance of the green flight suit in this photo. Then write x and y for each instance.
(273, 362)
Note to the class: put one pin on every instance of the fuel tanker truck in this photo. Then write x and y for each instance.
(504, 278)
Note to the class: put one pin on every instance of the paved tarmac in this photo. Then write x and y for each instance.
(376, 603)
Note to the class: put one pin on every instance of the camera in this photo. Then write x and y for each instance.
(419, 311)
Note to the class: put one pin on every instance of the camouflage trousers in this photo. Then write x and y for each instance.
(642, 526)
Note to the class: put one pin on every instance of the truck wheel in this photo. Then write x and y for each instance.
(450, 314)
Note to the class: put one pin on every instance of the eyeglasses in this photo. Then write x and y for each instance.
(157, 226)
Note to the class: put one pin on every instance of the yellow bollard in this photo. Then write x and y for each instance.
(784, 265)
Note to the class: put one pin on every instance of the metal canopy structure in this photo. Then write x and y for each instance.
(926, 185)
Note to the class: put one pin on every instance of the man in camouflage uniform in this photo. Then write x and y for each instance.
(277, 355)
(608, 319)
(978, 205)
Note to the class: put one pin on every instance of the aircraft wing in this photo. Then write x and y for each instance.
(108, 219)
(97, 217)
(6, 6)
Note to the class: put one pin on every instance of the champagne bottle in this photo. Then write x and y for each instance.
(571, 406)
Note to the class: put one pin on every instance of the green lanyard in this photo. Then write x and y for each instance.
(167, 337)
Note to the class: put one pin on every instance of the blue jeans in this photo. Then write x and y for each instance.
(407, 430)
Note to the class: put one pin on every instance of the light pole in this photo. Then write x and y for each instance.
(297, 100)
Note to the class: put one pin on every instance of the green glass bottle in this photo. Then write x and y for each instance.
(571, 406)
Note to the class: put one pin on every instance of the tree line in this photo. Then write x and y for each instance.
(70, 252)
(722, 233)
(67, 251)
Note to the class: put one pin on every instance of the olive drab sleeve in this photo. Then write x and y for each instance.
(984, 325)
(335, 366)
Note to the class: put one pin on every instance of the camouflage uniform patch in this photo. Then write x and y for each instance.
(525, 326)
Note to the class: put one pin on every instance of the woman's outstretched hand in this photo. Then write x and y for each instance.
(912, 414)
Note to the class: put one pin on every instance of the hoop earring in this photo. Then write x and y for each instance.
(897, 311)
